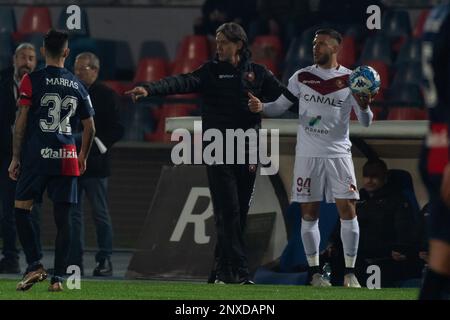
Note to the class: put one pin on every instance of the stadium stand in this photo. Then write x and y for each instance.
(35, 19)
(7, 20)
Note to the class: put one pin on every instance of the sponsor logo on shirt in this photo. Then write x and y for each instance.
(226, 76)
(323, 100)
(48, 153)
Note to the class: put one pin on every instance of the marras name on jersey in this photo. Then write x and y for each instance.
(322, 99)
(61, 82)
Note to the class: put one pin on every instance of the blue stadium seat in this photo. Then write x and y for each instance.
(396, 23)
(410, 52)
(7, 20)
(377, 47)
(84, 27)
(6, 45)
(123, 63)
(410, 73)
(406, 94)
(293, 255)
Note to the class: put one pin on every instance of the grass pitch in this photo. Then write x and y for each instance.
(171, 290)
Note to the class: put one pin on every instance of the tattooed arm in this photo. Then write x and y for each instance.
(18, 137)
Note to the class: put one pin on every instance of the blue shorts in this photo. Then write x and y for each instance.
(31, 186)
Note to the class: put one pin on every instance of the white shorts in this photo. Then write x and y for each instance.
(314, 177)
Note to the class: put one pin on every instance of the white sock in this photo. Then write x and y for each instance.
(350, 241)
(311, 241)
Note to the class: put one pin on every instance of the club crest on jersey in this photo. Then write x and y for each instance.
(249, 76)
(48, 153)
(340, 83)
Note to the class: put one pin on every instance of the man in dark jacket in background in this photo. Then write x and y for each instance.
(94, 182)
(24, 61)
(225, 85)
(388, 231)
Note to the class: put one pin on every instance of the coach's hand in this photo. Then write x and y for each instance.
(445, 186)
(363, 100)
(137, 93)
(254, 104)
(14, 169)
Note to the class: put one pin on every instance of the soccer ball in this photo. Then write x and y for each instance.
(364, 80)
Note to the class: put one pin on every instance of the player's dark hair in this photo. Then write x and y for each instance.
(235, 33)
(375, 168)
(332, 33)
(54, 42)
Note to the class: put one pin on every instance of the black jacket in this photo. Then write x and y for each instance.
(387, 223)
(108, 129)
(224, 91)
(7, 111)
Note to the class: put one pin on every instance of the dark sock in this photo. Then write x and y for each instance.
(27, 235)
(62, 242)
(313, 270)
(435, 286)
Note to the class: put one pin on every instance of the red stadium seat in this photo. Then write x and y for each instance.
(271, 65)
(407, 113)
(186, 65)
(267, 48)
(347, 55)
(35, 20)
(166, 111)
(194, 48)
(382, 69)
(420, 23)
(151, 69)
(118, 86)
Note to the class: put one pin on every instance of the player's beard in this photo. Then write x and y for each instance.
(323, 59)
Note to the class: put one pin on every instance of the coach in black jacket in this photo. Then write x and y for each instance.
(94, 182)
(224, 84)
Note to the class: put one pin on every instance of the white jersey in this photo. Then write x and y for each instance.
(325, 103)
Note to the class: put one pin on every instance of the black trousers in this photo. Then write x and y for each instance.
(231, 189)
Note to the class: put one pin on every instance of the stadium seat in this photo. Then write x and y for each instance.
(186, 65)
(35, 19)
(151, 69)
(269, 64)
(153, 49)
(377, 47)
(382, 69)
(396, 23)
(118, 86)
(6, 45)
(166, 111)
(347, 55)
(193, 47)
(267, 48)
(407, 113)
(420, 23)
(411, 51)
(410, 73)
(138, 120)
(405, 94)
(7, 20)
(124, 63)
(84, 27)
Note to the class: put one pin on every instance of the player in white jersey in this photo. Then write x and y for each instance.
(323, 160)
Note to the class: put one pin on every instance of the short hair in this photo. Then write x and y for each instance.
(54, 42)
(234, 32)
(332, 33)
(23, 46)
(94, 62)
(375, 168)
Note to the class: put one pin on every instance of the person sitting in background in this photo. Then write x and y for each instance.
(388, 232)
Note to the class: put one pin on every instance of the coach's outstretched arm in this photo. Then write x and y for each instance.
(181, 83)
